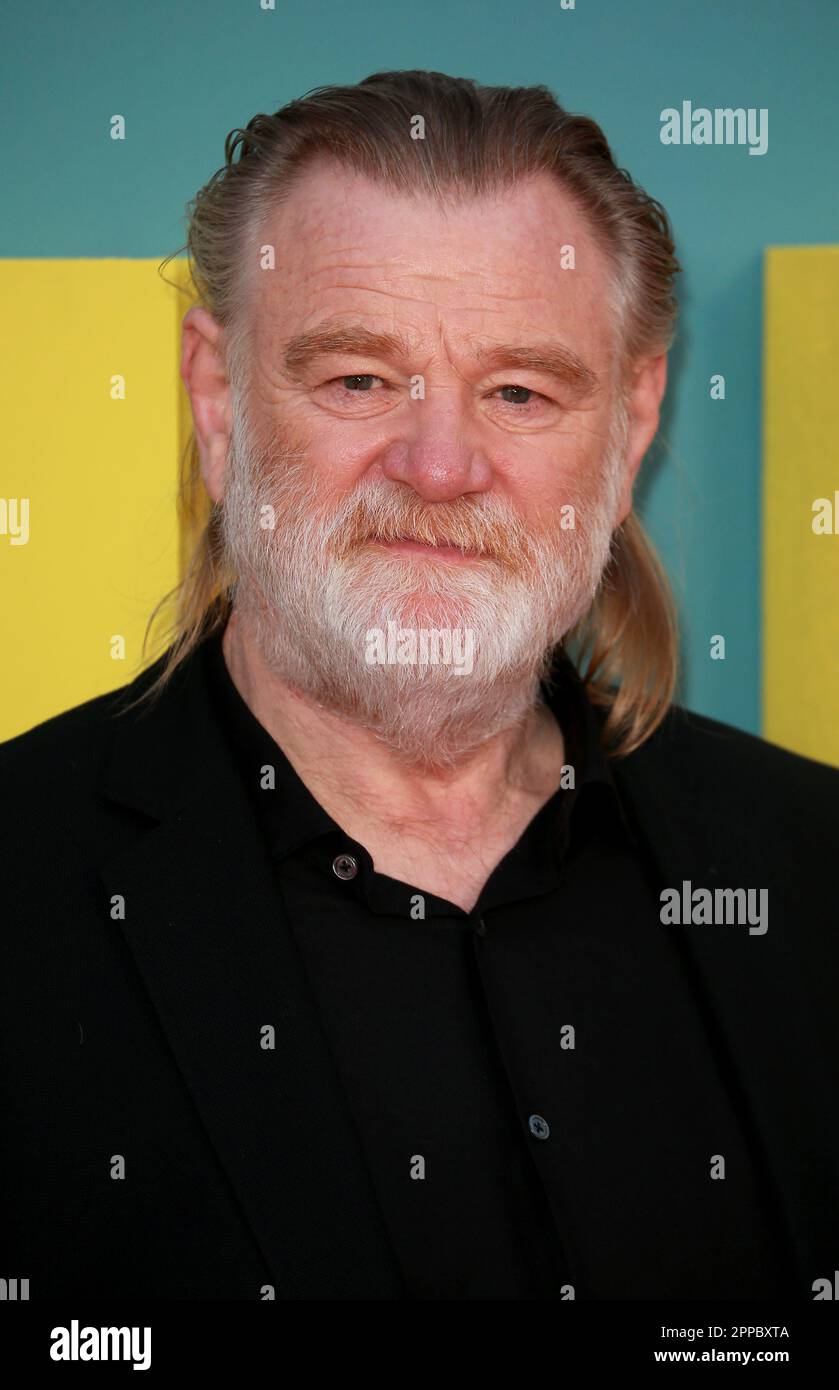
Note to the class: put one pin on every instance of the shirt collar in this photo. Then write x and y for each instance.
(291, 817)
(294, 816)
(595, 800)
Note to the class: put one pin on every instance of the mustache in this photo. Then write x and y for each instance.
(473, 528)
(380, 511)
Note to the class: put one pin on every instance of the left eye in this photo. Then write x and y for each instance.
(357, 383)
(518, 392)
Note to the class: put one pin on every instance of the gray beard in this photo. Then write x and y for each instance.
(310, 600)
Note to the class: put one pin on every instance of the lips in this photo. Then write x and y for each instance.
(407, 545)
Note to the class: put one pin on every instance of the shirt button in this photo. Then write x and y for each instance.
(480, 927)
(538, 1127)
(345, 866)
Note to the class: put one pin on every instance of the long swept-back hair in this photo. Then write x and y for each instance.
(477, 140)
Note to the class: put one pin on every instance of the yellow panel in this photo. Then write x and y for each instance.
(801, 464)
(100, 475)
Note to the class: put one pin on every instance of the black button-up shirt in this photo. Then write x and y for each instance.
(523, 1074)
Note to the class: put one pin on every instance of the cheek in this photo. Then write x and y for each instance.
(340, 452)
(540, 478)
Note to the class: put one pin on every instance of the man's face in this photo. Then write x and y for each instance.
(431, 421)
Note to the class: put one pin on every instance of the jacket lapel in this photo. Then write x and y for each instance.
(203, 920)
(753, 985)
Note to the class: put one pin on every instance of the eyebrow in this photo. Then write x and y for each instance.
(551, 359)
(357, 342)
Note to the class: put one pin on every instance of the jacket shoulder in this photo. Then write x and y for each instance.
(700, 734)
(741, 771)
(68, 748)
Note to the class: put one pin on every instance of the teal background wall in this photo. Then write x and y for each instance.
(183, 74)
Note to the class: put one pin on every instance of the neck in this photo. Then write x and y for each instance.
(357, 778)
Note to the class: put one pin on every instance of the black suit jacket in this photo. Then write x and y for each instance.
(130, 1039)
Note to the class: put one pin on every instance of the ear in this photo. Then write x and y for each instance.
(205, 378)
(648, 381)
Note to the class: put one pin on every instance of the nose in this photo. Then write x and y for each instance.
(439, 454)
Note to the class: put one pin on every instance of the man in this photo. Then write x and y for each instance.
(376, 944)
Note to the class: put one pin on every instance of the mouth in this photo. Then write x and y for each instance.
(436, 552)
